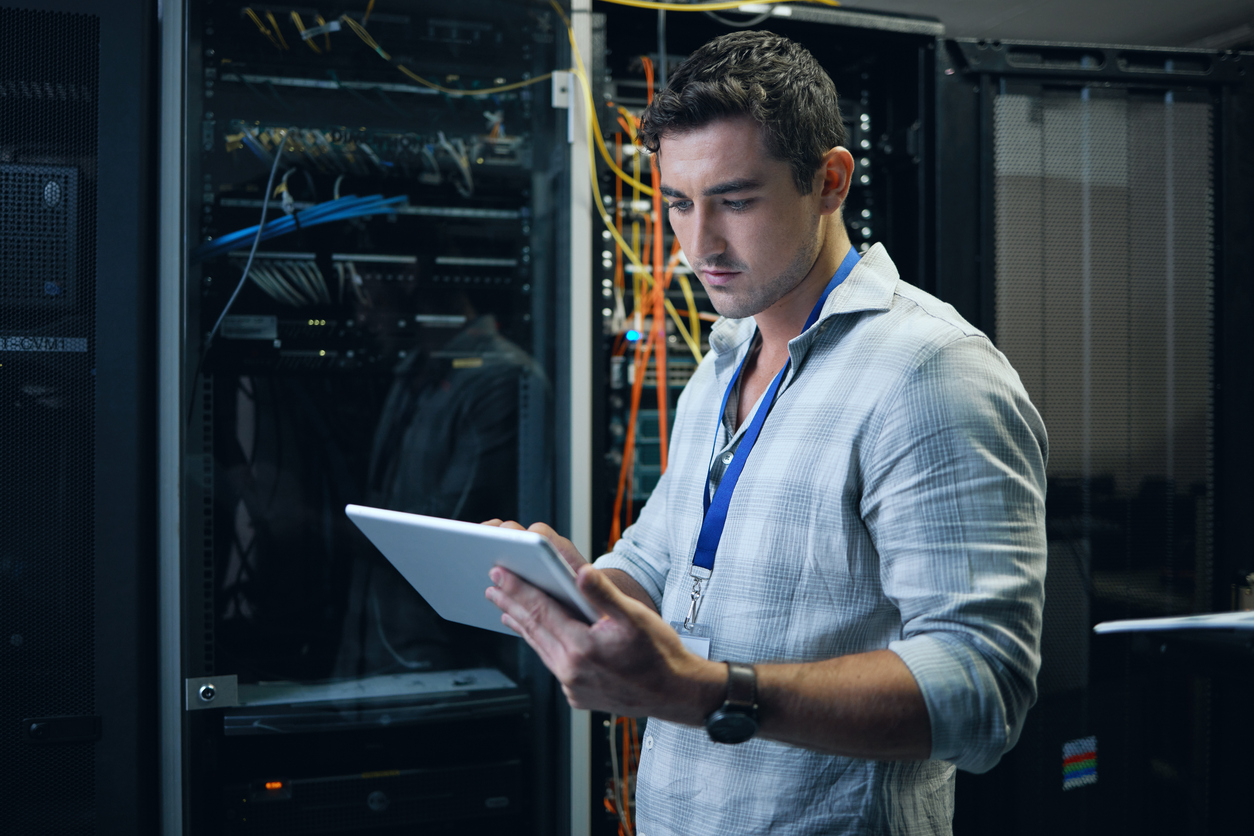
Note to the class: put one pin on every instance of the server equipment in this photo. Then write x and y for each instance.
(372, 202)
(1096, 213)
(77, 603)
(1088, 207)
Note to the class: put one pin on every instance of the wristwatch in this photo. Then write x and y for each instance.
(736, 720)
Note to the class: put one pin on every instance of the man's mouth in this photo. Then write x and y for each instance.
(718, 278)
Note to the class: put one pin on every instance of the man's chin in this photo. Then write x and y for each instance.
(736, 308)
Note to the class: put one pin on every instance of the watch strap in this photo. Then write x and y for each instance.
(742, 686)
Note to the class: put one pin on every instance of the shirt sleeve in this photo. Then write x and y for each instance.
(954, 499)
(643, 552)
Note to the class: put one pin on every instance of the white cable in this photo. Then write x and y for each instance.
(301, 281)
(358, 285)
(462, 164)
(273, 284)
(289, 204)
(286, 292)
(435, 164)
(620, 802)
(315, 277)
(265, 204)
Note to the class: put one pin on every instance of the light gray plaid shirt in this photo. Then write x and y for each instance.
(895, 499)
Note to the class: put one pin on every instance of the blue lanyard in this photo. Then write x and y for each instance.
(715, 518)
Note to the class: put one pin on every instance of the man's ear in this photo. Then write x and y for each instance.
(836, 175)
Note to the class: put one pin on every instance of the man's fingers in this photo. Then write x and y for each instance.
(601, 592)
(514, 615)
(544, 530)
(498, 523)
(563, 546)
(541, 618)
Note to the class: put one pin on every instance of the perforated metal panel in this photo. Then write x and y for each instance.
(1104, 296)
(38, 235)
(49, 66)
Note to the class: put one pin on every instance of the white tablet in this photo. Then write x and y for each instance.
(448, 561)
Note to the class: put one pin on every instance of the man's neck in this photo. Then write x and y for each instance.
(786, 319)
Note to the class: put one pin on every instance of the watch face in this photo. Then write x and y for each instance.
(730, 726)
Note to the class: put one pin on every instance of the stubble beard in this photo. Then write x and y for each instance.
(749, 301)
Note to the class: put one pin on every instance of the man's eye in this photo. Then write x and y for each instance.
(737, 205)
(679, 205)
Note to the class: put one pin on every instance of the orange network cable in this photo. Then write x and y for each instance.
(659, 290)
(626, 772)
(644, 347)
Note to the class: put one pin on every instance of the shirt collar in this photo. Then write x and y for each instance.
(869, 287)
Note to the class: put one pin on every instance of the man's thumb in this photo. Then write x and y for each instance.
(600, 591)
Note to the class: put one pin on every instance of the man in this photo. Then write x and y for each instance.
(876, 585)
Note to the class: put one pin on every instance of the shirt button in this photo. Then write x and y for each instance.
(648, 741)
(727, 458)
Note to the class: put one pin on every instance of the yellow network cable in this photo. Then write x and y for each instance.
(708, 7)
(274, 23)
(300, 27)
(326, 36)
(643, 271)
(579, 73)
(694, 316)
(592, 111)
(369, 41)
(265, 31)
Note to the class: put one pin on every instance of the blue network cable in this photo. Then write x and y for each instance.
(333, 210)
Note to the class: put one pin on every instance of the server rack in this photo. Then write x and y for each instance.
(1094, 214)
(396, 343)
(77, 601)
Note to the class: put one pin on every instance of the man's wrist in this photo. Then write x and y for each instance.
(703, 690)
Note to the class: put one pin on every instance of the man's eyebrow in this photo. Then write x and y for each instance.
(731, 186)
(722, 188)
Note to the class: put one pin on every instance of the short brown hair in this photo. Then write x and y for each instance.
(774, 81)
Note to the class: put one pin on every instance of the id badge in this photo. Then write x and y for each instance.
(697, 640)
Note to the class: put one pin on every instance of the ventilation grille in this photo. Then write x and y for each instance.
(49, 65)
(38, 234)
(1104, 294)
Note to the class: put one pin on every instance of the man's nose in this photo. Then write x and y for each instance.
(707, 239)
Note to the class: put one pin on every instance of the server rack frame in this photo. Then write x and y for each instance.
(123, 799)
(968, 75)
(179, 597)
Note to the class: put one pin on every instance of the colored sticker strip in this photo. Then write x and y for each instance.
(1079, 763)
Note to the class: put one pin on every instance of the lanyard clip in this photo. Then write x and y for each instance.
(699, 574)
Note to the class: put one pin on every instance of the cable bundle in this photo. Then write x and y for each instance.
(329, 212)
(292, 282)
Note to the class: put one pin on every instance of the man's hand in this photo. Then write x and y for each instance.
(628, 662)
(563, 546)
(571, 555)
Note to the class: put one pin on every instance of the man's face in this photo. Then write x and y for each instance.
(744, 227)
